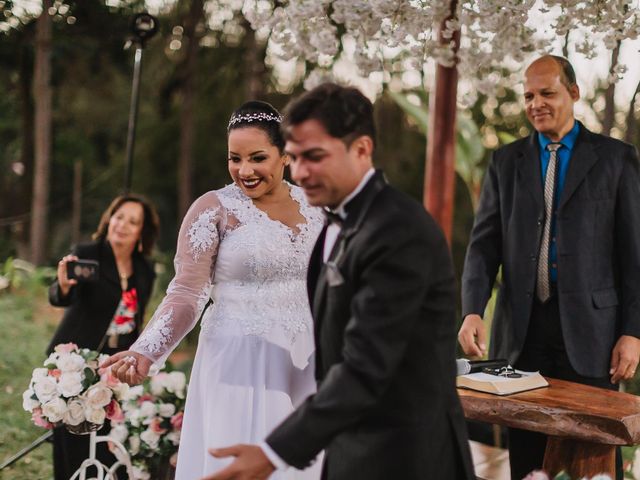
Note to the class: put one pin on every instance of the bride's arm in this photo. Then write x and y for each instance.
(187, 294)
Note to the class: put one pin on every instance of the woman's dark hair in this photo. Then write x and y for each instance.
(150, 222)
(260, 115)
(344, 112)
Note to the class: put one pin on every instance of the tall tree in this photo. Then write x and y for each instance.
(42, 94)
(187, 93)
(609, 116)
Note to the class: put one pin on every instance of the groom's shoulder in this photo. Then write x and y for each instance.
(395, 208)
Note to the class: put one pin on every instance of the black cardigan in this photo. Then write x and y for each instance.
(90, 306)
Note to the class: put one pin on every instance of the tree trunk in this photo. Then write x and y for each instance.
(254, 67)
(439, 185)
(632, 123)
(609, 117)
(42, 93)
(187, 93)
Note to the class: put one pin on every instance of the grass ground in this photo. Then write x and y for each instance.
(27, 324)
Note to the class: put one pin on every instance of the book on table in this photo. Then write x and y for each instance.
(501, 385)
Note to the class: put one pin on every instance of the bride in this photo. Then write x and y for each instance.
(245, 247)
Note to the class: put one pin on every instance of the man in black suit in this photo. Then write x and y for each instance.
(569, 299)
(381, 286)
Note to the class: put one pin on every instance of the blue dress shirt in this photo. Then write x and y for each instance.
(562, 159)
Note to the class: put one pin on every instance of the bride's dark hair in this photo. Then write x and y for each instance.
(260, 115)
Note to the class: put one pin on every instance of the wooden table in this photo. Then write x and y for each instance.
(584, 423)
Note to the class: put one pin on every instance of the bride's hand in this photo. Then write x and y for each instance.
(129, 367)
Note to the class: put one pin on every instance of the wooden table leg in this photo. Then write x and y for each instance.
(578, 458)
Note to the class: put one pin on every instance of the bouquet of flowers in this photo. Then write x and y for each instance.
(68, 390)
(151, 424)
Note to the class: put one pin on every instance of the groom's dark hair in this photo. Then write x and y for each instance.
(344, 112)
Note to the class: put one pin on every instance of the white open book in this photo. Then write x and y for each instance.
(499, 385)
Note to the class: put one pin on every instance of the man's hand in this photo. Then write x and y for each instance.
(250, 464)
(129, 367)
(624, 358)
(472, 336)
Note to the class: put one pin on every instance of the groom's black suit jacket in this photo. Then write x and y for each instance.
(386, 405)
(598, 248)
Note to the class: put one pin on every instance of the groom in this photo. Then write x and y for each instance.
(382, 291)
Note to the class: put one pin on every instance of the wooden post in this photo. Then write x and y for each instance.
(439, 182)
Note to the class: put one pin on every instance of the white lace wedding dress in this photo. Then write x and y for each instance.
(254, 362)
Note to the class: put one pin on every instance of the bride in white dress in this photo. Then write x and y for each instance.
(246, 247)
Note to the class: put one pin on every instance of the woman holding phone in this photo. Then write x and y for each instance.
(105, 299)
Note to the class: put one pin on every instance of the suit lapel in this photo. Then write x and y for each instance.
(583, 158)
(529, 172)
(315, 265)
(108, 268)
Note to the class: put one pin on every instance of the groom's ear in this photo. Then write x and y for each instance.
(362, 147)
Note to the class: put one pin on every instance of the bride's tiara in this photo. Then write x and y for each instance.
(254, 117)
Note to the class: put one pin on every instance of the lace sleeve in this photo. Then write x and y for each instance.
(188, 292)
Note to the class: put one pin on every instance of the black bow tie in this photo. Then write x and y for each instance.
(332, 217)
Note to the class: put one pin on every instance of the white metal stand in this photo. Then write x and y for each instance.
(104, 472)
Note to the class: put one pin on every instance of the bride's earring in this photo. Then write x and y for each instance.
(140, 245)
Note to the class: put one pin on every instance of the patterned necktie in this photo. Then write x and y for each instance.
(543, 290)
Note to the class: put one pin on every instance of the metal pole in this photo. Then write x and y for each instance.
(133, 114)
(36, 443)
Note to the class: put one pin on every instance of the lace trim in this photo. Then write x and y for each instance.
(203, 232)
(158, 334)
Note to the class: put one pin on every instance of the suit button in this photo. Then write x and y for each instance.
(539, 221)
(528, 294)
(532, 257)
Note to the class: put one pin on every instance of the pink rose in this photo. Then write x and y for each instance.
(109, 379)
(176, 420)
(66, 347)
(156, 427)
(147, 397)
(38, 419)
(114, 412)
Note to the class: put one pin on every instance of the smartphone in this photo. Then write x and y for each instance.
(83, 270)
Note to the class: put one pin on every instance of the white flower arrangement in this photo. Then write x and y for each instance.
(69, 391)
(151, 422)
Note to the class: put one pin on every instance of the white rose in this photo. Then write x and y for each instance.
(39, 373)
(98, 396)
(166, 410)
(70, 384)
(151, 438)
(70, 362)
(158, 383)
(139, 473)
(119, 433)
(75, 412)
(51, 359)
(176, 383)
(134, 417)
(95, 415)
(174, 437)
(28, 403)
(134, 445)
(121, 390)
(148, 409)
(45, 388)
(133, 393)
(54, 409)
